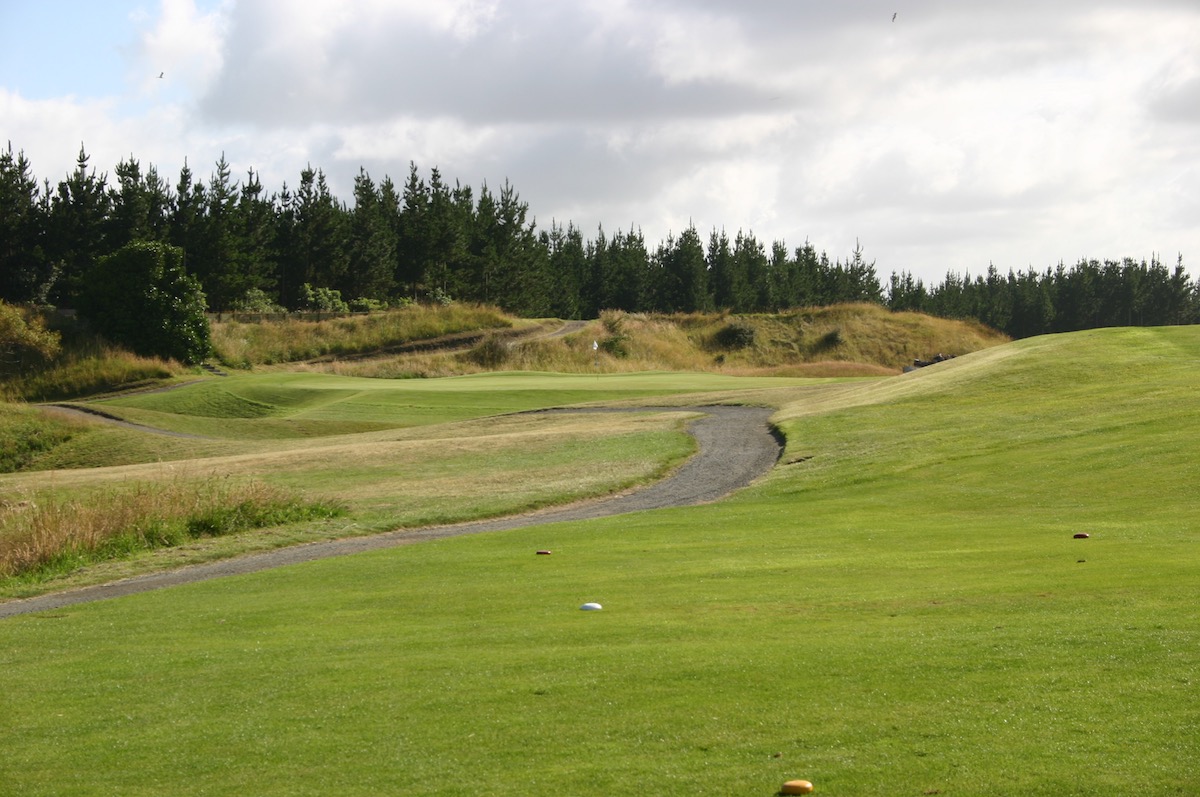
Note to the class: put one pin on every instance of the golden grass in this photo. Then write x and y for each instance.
(839, 341)
(39, 528)
(240, 344)
(400, 462)
(89, 370)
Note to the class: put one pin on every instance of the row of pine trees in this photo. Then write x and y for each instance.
(429, 240)
(425, 239)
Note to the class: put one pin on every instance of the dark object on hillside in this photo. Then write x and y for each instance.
(543, 553)
(1083, 535)
(918, 363)
(737, 334)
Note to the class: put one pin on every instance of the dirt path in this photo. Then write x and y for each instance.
(735, 447)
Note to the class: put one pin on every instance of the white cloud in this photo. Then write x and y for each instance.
(183, 45)
(961, 134)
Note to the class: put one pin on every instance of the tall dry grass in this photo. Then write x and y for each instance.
(240, 345)
(87, 370)
(841, 340)
(40, 532)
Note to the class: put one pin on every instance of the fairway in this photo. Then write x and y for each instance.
(310, 404)
(899, 607)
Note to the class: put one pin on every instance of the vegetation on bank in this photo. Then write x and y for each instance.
(842, 340)
(283, 339)
(457, 338)
(71, 361)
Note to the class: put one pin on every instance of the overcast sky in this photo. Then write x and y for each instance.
(943, 135)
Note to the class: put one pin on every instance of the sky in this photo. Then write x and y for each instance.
(941, 136)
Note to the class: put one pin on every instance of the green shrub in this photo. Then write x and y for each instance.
(322, 300)
(257, 300)
(365, 304)
(831, 339)
(142, 298)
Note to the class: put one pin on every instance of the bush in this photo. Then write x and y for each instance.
(322, 300)
(24, 342)
(617, 341)
(142, 298)
(364, 304)
(491, 352)
(831, 339)
(737, 334)
(257, 300)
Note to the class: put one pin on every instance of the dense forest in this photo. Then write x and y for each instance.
(303, 248)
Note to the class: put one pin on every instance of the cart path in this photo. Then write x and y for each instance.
(736, 446)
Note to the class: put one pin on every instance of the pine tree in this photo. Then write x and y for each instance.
(748, 283)
(77, 225)
(214, 258)
(187, 216)
(682, 275)
(721, 269)
(372, 245)
(23, 268)
(567, 268)
(255, 231)
(414, 233)
(319, 243)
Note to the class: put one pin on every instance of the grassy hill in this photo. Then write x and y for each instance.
(844, 340)
(900, 607)
(429, 341)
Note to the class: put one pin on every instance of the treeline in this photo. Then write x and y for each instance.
(303, 248)
(1088, 295)
(423, 240)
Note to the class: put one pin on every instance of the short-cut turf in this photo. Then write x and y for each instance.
(902, 609)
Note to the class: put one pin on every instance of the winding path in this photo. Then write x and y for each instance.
(736, 446)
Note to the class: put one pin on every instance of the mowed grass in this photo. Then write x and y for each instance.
(901, 610)
(288, 405)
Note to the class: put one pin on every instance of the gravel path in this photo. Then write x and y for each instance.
(735, 446)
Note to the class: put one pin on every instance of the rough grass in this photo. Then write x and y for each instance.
(43, 535)
(88, 370)
(241, 345)
(463, 339)
(863, 339)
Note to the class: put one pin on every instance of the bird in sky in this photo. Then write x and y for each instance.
(894, 13)
(160, 74)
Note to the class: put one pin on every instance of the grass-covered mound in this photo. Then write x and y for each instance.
(903, 609)
(838, 341)
(432, 341)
